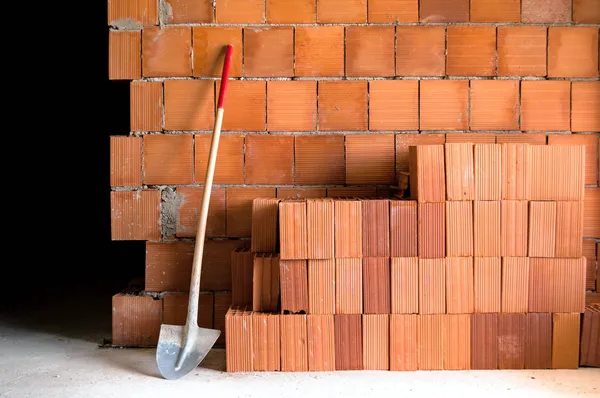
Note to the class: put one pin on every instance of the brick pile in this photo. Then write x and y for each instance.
(481, 267)
(324, 100)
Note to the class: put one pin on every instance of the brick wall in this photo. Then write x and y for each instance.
(325, 98)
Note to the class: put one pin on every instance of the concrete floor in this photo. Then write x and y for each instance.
(58, 354)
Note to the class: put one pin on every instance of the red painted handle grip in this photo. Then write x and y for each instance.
(225, 76)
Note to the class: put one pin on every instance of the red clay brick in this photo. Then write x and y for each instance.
(545, 105)
(301, 193)
(293, 279)
(432, 286)
(168, 159)
(457, 341)
(347, 228)
(265, 282)
(486, 229)
(591, 148)
(265, 224)
(521, 138)
(459, 228)
(246, 105)
(487, 282)
(586, 11)
(136, 320)
(495, 105)
(242, 270)
(512, 331)
(420, 50)
(146, 106)
(443, 104)
(124, 55)
(370, 159)
(319, 51)
(230, 159)
(376, 227)
(320, 159)
(591, 209)
(269, 159)
(546, 11)
(293, 234)
(291, 105)
(188, 210)
(167, 51)
(348, 286)
(585, 99)
(144, 12)
(291, 11)
(269, 52)
(404, 276)
(348, 341)
(125, 161)
(393, 11)
(572, 51)
(495, 11)
(376, 285)
(321, 342)
(209, 50)
(393, 105)
(370, 51)
(342, 105)
(566, 332)
(403, 228)
(521, 50)
(342, 11)
(240, 11)
(484, 341)
(239, 209)
(135, 215)
(189, 105)
(444, 11)
(471, 51)
(404, 141)
(427, 174)
(345, 192)
(190, 11)
(431, 341)
(175, 309)
(222, 305)
(238, 328)
(459, 285)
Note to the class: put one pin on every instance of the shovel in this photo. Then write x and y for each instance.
(180, 349)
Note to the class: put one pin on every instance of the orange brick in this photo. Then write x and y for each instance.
(301, 193)
(393, 11)
(167, 51)
(471, 51)
(342, 11)
(124, 52)
(546, 11)
(135, 215)
(269, 159)
(404, 141)
(486, 228)
(143, 12)
(473, 138)
(189, 104)
(240, 11)
(591, 211)
(443, 104)
(136, 320)
(239, 209)
(189, 200)
(420, 50)
(586, 11)
(345, 192)
(189, 11)
(545, 105)
(291, 105)
(246, 105)
(444, 10)
(145, 106)
(125, 161)
(591, 151)
(495, 11)
(370, 51)
(320, 159)
(319, 51)
(209, 44)
(269, 52)
(585, 97)
(229, 168)
(393, 105)
(521, 138)
(370, 159)
(342, 105)
(291, 11)
(572, 51)
(168, 159)
(495, 105)
(521, 50)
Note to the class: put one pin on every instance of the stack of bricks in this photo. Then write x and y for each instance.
(324, 99)
(481, 268)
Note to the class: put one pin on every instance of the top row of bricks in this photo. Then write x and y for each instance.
(129, 14)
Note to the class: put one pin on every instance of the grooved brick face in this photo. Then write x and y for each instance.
(125, 161)
(188, 212)
(320, 160)
(342, 11)
(342, 105)
(443, 104)
(144, 12)
(370, 51)
(189, 104)
(240, 11)
(586, 11)
(495, 11)
(393, 105)
(370, 159)
(135, 215)
(471, 51)
(495, 105)
(239, 209)
(209, 44)
(585, 97)
(420, 50)
(444, 11)
(168, 159)
(521, 50)
(146, 106)
(545, 105)
(269, 52)
(301, 193)
(404, 141)
(167, 51)
(546, 11)
(390, 11)
(269, 159)
(291, 11)
(189, 11)
(572, 51)
(291, 105)
(591, 150)
(319, 51)
(124, 54)
(245, 105)
(229, 168)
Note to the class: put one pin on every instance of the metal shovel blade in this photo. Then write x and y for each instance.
(171, 343)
